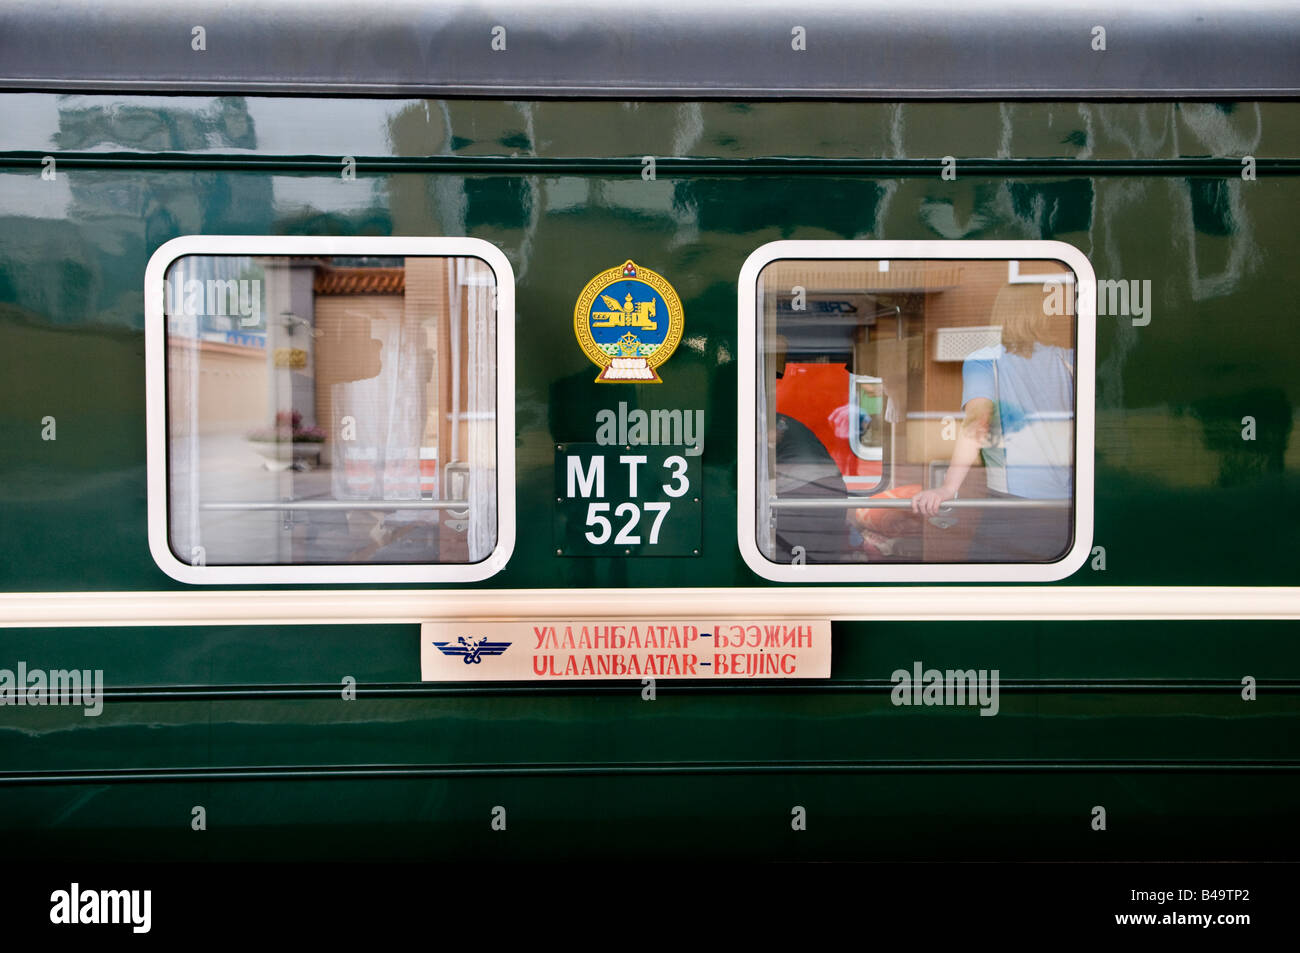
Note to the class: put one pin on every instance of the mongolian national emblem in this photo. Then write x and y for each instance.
(629, 321)
(471, 648)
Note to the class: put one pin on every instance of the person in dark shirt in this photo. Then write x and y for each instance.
(806, 470)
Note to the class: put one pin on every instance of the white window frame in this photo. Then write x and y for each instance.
(156, 408)
(749, 329)
(1014, 277)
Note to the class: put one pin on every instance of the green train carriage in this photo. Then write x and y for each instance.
(254, 504)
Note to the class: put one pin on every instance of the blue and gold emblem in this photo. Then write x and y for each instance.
(629, 321)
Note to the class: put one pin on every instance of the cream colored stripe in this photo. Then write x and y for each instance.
(916, 603)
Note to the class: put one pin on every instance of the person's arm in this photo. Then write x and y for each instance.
(973, 435)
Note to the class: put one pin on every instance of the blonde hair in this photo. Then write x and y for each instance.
(1022, 310)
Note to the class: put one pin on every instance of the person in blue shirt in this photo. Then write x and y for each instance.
(1018, 401)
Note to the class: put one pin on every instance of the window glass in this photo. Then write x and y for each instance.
(915, 411)
(330, 410)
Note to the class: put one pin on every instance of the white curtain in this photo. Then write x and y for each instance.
(390, 411)
(183, 415)
(383, 461)
(480, 289)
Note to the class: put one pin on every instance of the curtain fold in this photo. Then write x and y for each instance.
(481, 412)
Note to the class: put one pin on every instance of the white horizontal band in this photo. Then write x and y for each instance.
(872, 604)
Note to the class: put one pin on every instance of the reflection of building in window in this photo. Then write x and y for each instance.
(363, 381)
(879, 361)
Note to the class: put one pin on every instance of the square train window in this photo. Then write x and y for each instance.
(924, 410)
(330, 410)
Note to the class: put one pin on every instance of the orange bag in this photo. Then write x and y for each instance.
(890, 522)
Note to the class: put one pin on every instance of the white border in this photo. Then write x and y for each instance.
(847, 603)
(156, 403)
(1085, 372)
(1014, 277)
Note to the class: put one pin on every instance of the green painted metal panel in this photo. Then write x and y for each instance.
(1169, 403)
(1147, 716)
